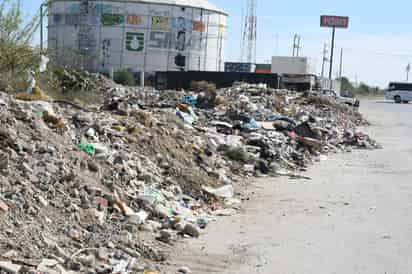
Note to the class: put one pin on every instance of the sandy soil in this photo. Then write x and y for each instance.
(354, 216)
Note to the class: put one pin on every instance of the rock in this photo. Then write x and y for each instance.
(90, 217)
(9, 267)
(104, 269)
(191, 230)
(4, 207)
(102, 255)
(48, 266)
(26, 168)
(74, 265)
(179, 227)
(74, 234)
(131, 252)
(93, 166)
(249, 168)
(87, 260)
(138, 218)
(91, 132)
(165, 235)
(184, 269)
(4, 161)
(161, 211)
(43, 201)
(11, 254)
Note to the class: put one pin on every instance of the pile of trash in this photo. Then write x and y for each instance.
(111, 187)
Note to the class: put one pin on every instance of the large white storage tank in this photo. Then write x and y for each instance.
(151, 35)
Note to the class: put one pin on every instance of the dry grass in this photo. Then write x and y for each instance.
(37, 95)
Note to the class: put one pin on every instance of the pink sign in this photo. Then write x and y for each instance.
(334, 21)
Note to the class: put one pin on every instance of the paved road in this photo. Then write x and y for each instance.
(355, 216)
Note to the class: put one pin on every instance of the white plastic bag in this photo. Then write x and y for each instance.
(43, 63)
(226, 191)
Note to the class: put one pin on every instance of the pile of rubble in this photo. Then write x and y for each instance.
(111, 187)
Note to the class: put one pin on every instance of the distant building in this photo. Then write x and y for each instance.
(263, 68)
(293, 65)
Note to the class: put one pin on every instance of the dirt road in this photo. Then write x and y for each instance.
(355, 216)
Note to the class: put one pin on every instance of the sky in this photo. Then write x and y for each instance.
(377, 46)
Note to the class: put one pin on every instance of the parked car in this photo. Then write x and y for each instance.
(399, 92)
(340, 99)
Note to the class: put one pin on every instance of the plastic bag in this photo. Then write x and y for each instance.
(43, 63)
(226, 191)
(87, 148)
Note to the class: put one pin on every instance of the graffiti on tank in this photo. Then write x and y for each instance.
(180, 28)
(112, 19)
(84, 6)
(74, 8)
(106, 44)
(159, 40)
(87, 39)
(199, 26)
(160, 22)
(72, 19)
(96, 8)
(222, 29)
(135, 41)
(57, 18)
(181, 23)
(169, 40)
(87, 34)
(102, 8)
(155, 12)
(180, 44)
(134, 20)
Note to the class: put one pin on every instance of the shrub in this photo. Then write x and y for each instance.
(199, 86)
(124, 77)
(17, 56)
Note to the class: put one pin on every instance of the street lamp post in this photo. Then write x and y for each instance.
(41, 26)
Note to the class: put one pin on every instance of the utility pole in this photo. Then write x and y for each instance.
(249, 36)
(331, 53)
(41, 26)
(341, 63)
(324, 58)
(296, 45)
(408, 69)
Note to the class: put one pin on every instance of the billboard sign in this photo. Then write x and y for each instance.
(334, 21)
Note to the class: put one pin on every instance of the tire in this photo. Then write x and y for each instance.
(397, 99)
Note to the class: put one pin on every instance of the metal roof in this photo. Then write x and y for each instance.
(200, 4)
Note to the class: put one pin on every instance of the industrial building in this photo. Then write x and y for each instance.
(140, 35)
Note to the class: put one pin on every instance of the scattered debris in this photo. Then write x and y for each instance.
(107, 188)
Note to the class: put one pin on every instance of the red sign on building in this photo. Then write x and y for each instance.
(334, 21)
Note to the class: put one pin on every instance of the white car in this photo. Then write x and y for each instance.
(342, 100)
(399, 92)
